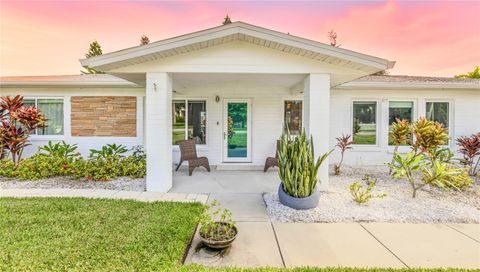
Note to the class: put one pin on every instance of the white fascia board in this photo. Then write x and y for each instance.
(66, 84)
(231, 29)
(406, 85)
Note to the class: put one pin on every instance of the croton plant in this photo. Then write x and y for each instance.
(18, 122)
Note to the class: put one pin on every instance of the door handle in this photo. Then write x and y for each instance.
(224, 135)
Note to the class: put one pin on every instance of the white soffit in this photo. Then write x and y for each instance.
(237, 31)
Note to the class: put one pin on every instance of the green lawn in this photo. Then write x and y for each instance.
(75, 234)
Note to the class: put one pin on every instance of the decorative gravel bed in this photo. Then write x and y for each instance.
(122, 183)
(431, 205)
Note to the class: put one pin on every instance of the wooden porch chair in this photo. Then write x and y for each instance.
(272, 161)
(188, 152)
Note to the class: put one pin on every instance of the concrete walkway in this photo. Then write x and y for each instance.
(261, 242)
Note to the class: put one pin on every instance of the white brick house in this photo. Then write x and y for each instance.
(190, 86)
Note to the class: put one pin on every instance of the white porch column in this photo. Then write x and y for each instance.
(317, 117)
(158, 131)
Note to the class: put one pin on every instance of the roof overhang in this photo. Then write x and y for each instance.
(83, 81)
(238, 31)
(408, 85)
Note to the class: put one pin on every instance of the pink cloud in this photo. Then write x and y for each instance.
(425, 38)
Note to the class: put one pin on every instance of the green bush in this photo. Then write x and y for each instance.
(60, 159)
(41, 166)
(7, 168)
(109, 163)
(361, 194)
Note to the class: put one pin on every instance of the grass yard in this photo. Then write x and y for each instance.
(76, 234)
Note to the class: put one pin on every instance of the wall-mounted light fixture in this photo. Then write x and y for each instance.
(155, 87)
(217, 98)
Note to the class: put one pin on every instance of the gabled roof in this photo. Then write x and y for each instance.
(88, 80)
(237, 31)
(412, 82)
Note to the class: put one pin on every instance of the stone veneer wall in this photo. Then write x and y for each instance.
(104, 116)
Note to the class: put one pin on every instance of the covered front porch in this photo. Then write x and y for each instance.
(234, 118)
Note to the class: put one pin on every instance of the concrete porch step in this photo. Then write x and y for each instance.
(239, 167)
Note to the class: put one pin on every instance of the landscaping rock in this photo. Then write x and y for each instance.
(432, 205)
(122, 183)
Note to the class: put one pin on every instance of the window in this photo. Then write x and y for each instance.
(52, 109)
(189, 121)
(399, 110)
(364, 122)
(293, 116)
(439, 112)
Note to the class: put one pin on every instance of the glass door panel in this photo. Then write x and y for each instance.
(237, 131)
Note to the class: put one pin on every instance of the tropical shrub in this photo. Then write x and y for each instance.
(343, 143)
(470, 149)
(108, 150)
(216, 224)
(7, 168)
(40, 166)
(297, 165)
(361, 194)
(60, 150)
(429, 136)
(17, 123)
(98, 169)
(109, 163)
(432, 172)
(399, 134)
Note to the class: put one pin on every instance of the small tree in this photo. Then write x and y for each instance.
(94, 50)
(473, 74)
(17, 124)
(226, 20)
(343, 143)
(144, 40)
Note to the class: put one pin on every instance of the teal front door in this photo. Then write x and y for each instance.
(237, 130)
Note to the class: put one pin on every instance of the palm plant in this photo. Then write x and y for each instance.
(297, 165)
(343, 143)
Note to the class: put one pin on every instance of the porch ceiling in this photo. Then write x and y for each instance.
(188, 80)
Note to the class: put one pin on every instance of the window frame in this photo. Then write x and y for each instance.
(186, 100)
(401, 149)
(366, 147)
(36, 136)
(451, 119)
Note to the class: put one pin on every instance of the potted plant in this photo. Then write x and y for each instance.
(217, 233)
(298, 171)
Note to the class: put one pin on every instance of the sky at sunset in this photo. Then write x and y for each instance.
(425, 38)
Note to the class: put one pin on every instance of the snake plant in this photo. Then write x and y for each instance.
(297, 165)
